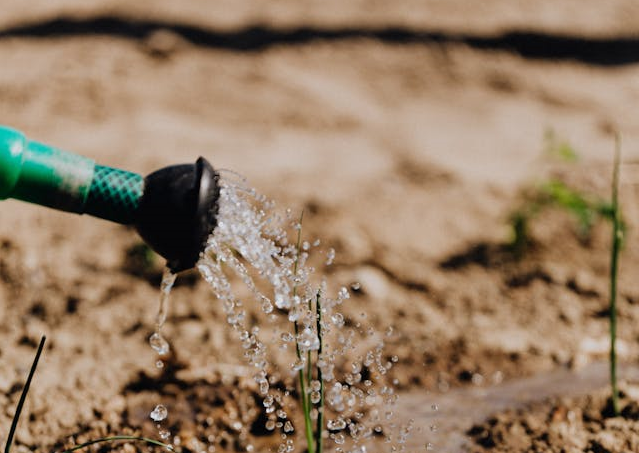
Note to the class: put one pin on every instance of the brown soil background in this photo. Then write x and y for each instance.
(406, 155)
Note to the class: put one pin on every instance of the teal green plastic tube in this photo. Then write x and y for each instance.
(41, 174)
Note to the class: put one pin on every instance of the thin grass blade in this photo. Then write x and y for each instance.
(23, 396)
(116, 438)
(617, 234)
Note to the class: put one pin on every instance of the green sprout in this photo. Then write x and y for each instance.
(587, 210)
(314, 440)
(558, 148)
(617, 238)
(554, 193)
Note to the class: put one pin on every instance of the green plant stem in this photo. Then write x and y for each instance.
(614, 265)
(309, 363)
(305, 406)
(308, 425)
(320, 415)
(23, 396)
(114, 438)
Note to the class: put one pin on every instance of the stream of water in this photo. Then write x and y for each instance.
(157, 341)
(302, 338)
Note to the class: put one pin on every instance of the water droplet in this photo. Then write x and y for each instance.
(343, 293)
(165, 434)
(282, 302)
(429, 446)
(159, 413)
(294, 314)
(288, 427)
(267, 306)
(337, 319)
(356, 286)
(159, 364)
(287, 337)
(308, 340)
(434, 407)
(337, 424)
(298, 364)
(339, 439)
(159, 344)
(433, 428)
(330, 256)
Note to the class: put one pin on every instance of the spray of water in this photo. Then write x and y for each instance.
(251, 243)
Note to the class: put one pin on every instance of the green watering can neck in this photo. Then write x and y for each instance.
(174, 209)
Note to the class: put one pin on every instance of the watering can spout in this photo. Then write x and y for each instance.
(174, 209)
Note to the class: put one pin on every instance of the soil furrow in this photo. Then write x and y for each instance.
(611, 51)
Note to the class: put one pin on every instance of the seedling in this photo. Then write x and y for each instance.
(585, 208)
(617, 238)
(314, 440)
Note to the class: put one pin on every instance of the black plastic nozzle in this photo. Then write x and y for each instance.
(178, 211)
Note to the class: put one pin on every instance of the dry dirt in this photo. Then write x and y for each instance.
(407, 151)
(584, 424)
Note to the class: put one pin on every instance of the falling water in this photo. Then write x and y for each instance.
(161, 346)
(157, 341)
(251, 242)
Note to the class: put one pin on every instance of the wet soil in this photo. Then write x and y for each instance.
(408, 156)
